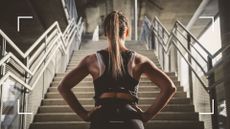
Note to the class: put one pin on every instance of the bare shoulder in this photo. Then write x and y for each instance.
(89, 59)
(140, 59)
(91, 64)
(143, 63)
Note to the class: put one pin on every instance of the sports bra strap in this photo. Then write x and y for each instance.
(101, 65)
(106, 83)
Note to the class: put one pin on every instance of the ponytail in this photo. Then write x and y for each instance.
(114, 28)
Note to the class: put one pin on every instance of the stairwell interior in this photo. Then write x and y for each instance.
(55, 113)
(34, 61)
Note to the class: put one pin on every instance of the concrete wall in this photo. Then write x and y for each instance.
(95, 15)
(172, 10)
(93, 18)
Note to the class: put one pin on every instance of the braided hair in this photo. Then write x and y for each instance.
(115, 26)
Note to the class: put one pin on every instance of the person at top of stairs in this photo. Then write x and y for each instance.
(116, 72)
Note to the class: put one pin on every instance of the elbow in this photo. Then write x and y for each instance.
(173, 89)
(170, 90)
(61, 89)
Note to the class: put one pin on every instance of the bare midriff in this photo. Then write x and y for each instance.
(118, 95)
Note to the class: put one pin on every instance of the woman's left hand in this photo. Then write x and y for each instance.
(145, 116)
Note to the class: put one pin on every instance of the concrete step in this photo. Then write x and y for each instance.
(155, 124)
(77, 58)
(91, 94)
(141, 83)
(46, 117)
(70, 69)
(74, 63)
(90, 101)
(89, 78)
(90, 83)
(168, 73)
(91, 88)
(65, 108)
(144, 52)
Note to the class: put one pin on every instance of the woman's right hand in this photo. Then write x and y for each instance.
(87, 115)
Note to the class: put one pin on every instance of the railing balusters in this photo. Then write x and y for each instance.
(2, 73)
(51, 42)
(212, 94)
(190, 80)
(159, 34)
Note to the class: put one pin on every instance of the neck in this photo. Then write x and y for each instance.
(122, 45)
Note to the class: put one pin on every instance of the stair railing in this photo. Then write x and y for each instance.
(28, 74)
(167, 46)
(70, 9)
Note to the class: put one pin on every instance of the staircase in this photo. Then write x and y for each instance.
(44, 13)
(54, 113)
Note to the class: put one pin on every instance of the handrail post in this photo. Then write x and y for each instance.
(173, 56)
(163, 58)
(2, 72)
(44, 62)
(212, 94)
(23, 101)
(190, 81)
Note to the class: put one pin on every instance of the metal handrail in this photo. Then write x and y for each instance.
(70, 9)
(9, 55)
(51, 46)
(51, 43)
(172, 36)
(167, 49)
(176, 37)
(193, 37)
(175, 27)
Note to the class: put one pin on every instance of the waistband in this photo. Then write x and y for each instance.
(113, 102)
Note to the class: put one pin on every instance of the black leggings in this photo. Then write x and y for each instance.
(116, 115)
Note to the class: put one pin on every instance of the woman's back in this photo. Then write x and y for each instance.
(105, 82)
(116, 72)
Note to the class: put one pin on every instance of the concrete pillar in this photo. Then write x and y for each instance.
(224, 9)
(93, 18)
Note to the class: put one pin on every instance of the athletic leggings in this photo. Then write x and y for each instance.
(116, 115)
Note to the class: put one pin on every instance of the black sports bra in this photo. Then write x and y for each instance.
(106, 83)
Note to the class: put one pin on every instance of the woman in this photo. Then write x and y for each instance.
(116, 72)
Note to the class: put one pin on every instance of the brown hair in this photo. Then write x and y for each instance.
(115, 25)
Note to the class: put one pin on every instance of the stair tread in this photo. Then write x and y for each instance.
(140, 98)
(72, 113)
(151, 121)
(92, 105)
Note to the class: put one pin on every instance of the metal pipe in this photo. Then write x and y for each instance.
(190, 80)
(196, 15)
(212, 94)
(135, 20)
(9, 74)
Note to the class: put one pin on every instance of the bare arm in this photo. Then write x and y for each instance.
(167, 88)
(69, 81)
